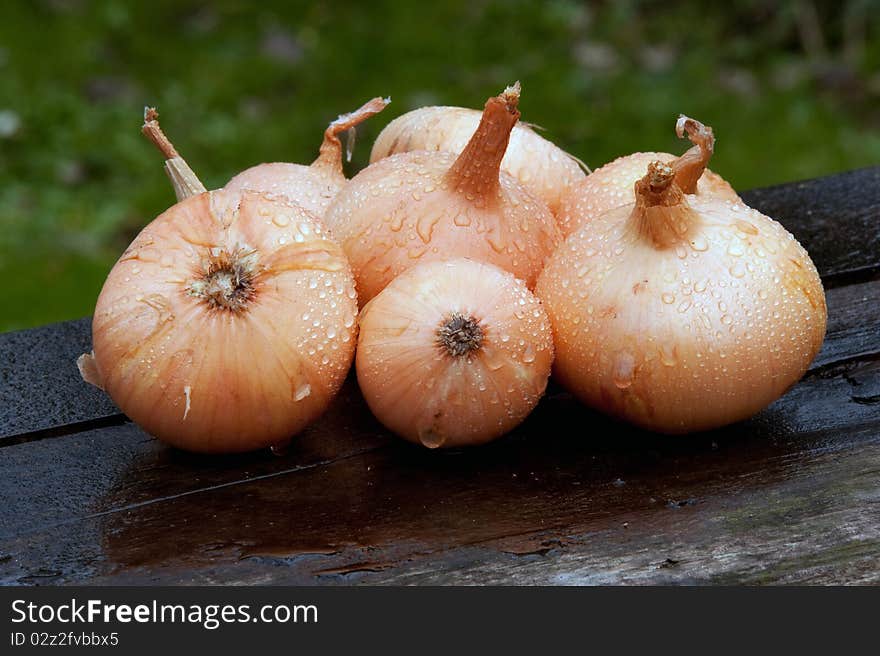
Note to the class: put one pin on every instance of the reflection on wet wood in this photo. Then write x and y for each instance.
(792, 495)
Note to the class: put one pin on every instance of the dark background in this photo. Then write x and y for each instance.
(791, 88)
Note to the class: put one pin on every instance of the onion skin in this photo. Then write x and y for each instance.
(612, 185)
(312, 188)
(539, 165)
(208, 378)
(315, 186)
(424, 206)
(417, 389)
(682, 313)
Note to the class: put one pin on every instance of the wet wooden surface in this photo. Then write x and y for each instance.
(792, 495)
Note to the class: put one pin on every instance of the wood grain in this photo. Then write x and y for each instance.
(40, 387)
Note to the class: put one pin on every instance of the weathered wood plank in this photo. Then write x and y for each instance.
(836, 218)
(814, 524)
(63, 475)
(40, 386)
(853, 324)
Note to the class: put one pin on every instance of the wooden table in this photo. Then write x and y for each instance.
(571, 497)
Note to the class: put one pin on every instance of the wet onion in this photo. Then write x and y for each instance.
(420, 206)
(227, 325)
(537, 163)
(453, 353)
(682, 312)
(612, 185)
(316, 185)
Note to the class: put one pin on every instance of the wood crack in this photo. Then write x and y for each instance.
(65, 430)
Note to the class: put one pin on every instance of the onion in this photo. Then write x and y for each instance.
(316, 185)
(453, 353)
(682, 313)
(538, 164)
(612, 185)
(227, 325)
(421, 206)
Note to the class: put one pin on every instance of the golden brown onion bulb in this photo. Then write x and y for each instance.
(612, 185)
(682, 313)
(227, 325)
(316, 185)
(537, 163)
(453, 353)
(420, 206)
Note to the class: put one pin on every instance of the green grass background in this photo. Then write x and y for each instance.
(791, 88)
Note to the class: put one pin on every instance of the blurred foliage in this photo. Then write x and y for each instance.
(791, 89)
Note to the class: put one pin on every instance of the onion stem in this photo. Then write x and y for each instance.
(690, 166)
(475, 172)
(330, 153)
(184, 180)
(661, 214)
